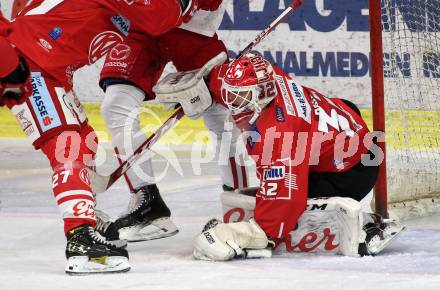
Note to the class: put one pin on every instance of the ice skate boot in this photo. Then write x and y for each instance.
(148, 217)
(379, 235)
(107, 228)
(87, 252)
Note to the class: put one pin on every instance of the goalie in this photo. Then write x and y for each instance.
(305, 145)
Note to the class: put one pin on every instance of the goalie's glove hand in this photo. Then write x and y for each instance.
(188, 88)
(226, 241)
(194, 5)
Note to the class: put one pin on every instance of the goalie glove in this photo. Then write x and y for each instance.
(188, 88)
(226, 241)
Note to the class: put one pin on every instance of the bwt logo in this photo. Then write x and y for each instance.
(329, 15)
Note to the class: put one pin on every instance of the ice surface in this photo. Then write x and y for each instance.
(32, 242)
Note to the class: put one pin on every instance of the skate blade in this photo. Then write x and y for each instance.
(248, 254)
(393, 233)
(258, 254)
(157, 229)
(82, 265)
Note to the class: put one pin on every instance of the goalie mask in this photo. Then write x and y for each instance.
(248, 86)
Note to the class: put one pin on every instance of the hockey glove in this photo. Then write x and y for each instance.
(225, 241)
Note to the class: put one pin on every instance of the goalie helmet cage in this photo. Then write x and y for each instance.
(405, 71)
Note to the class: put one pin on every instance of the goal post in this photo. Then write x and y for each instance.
(378, 101)
(405, 72)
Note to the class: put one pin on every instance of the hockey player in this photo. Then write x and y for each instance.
(40, 51)
(127, 82)
(305, 146)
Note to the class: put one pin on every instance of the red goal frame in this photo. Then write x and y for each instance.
(378, 101)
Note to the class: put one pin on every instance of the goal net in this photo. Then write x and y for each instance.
(411, 45)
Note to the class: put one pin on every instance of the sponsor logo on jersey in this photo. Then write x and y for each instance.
(285, 94)
(120, 52)
(290, 181)
(55, 33)
(279, 114)
(302, 106)
(273, 173)
(45, 44)
(121, 23)
(84, 176)
(130, 2)
(42, 104)
(102, 44)
(116, 64)
(25, 123)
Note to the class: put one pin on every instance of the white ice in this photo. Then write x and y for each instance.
(32, 242)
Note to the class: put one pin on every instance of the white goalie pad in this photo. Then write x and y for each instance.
(328, 225)
(188, 88)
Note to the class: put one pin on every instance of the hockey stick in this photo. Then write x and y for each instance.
(101, 183)
(262, 35)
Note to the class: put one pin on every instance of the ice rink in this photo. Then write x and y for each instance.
(32, 241)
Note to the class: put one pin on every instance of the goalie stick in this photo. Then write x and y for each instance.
(262, 35)
(101, 183)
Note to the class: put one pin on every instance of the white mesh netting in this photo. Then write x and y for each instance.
(411, 43)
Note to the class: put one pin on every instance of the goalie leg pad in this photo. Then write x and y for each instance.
(330, 225)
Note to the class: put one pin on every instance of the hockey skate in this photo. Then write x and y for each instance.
(147, 218)
(107, 228)
(379, 235)
(87, 252)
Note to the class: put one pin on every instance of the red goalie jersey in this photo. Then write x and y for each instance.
(61, 36)
(299, 131)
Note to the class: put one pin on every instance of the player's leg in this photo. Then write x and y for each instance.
(127, 82)
(55, 122)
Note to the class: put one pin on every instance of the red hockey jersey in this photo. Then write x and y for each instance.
(61, 36)
(300, 131)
